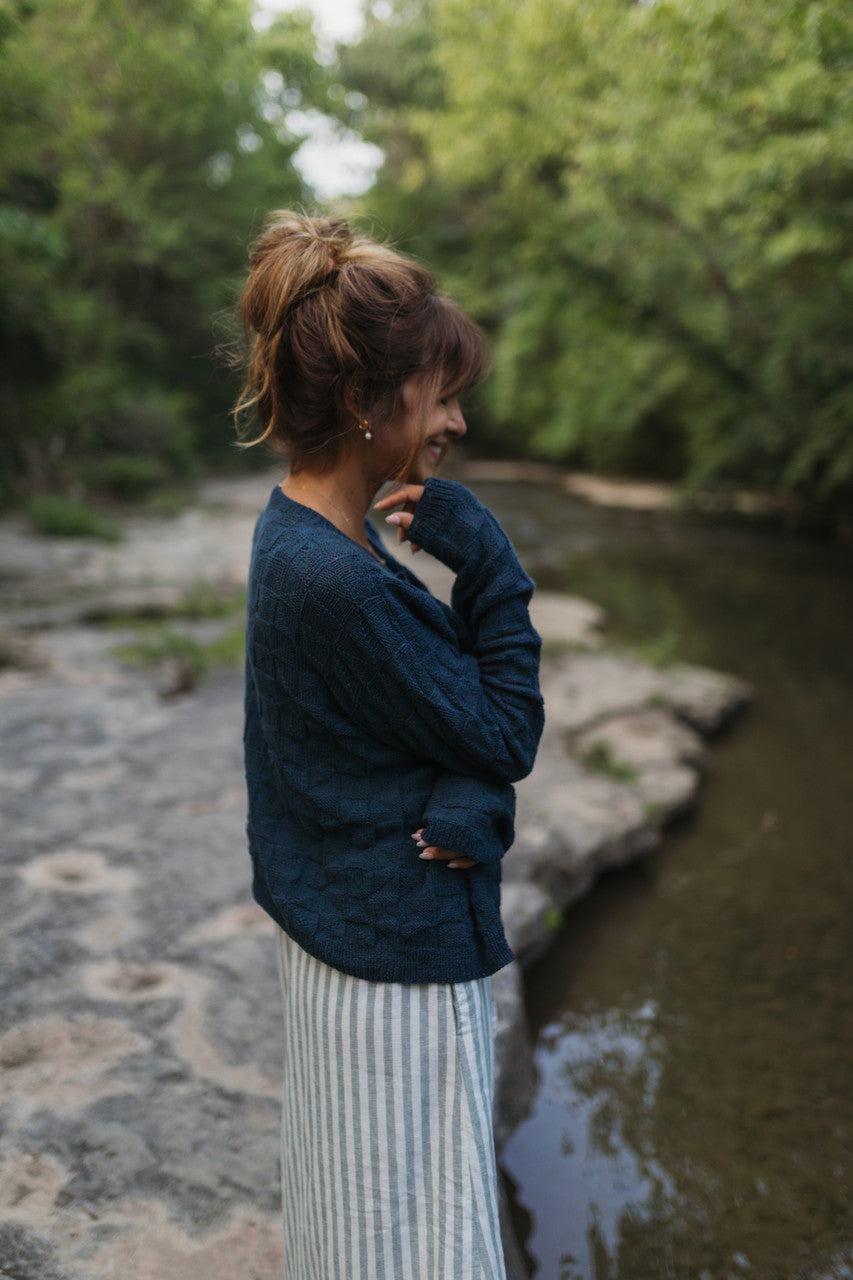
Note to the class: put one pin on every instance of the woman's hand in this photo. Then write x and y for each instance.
(433, 853)
(408, 497)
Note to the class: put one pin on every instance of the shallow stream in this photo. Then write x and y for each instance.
(694, 1021)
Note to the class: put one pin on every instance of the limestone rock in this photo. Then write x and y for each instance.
(568, 620)
(668, 790)
(706, 699)
(645, 739)
(530, 915)
(584, 688)
(660, 754)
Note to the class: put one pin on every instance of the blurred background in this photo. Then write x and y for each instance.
(649, 208)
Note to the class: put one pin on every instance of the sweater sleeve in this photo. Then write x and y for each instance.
(470, 816)
(399, 664)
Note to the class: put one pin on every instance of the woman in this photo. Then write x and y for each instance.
(383, 733)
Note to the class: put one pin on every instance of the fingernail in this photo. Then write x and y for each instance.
(394, 518)
(426, 854)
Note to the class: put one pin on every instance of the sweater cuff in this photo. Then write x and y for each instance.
(463, 839)
(448, 519)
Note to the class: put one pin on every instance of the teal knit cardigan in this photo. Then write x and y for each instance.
(374, 709)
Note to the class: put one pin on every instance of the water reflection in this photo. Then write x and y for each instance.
(580, 1166)
(695, 1020)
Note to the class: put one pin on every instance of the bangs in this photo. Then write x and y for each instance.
(455, 354)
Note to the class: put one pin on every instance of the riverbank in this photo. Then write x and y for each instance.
(141, 1044)
(630, 491)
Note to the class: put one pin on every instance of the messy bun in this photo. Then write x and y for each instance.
(334, 324)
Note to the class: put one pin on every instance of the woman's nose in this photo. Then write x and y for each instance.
(455, 421)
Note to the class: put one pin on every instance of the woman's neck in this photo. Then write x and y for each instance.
(342, 495)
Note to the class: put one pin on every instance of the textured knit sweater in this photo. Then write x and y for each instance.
(374, 709)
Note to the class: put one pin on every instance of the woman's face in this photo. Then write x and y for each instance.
(423, 433)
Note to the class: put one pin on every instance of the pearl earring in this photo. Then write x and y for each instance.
(365, 427)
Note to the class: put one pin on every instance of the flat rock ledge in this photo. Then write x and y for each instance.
(140, 1041)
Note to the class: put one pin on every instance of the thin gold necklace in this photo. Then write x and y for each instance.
(315, 493)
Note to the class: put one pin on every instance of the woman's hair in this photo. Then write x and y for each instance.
(334, 323)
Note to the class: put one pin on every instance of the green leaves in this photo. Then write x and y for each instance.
(138, 145)
(653, 210)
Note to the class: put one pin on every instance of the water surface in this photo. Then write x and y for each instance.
(693, 1022)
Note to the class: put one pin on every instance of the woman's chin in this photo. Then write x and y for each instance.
(420, 472)
(429, 464)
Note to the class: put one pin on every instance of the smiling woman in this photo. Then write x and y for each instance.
(356, 364)
(383, 732)
(427, 423)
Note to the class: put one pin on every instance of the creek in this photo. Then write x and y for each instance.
(694, 1115)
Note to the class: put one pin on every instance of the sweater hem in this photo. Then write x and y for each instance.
(375, 964)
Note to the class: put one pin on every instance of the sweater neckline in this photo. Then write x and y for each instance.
(381, 555)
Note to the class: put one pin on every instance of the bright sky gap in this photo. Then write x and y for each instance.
(335, 161)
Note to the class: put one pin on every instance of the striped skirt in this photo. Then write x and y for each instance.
(388, 1164)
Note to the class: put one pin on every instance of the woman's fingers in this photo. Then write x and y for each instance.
(447, 855)
(408, 496)
(409, 493)
(402, 520)
(432, 853)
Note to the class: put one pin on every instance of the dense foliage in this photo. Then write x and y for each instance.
(139, 141)
(652, 207)
(648, 205)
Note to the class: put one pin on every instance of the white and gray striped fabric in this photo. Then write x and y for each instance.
(388, 1165)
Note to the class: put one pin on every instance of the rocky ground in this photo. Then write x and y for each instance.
(139, 1021)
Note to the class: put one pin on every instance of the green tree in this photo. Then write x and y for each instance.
(138, 142)
(392, 76)
(658, 217)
